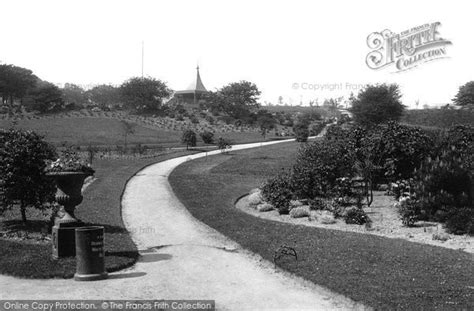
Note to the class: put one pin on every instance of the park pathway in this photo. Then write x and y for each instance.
(181, 258)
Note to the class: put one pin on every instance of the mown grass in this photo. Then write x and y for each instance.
(101, 206)
(380, 272)
(98, 131)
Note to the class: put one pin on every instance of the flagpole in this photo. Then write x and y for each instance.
(143, 55)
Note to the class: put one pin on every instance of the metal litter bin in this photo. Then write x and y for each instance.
(90, 254)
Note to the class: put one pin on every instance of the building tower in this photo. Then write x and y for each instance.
(193, 93)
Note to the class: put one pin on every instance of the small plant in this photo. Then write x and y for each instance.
(440, 237)
(410, 210)
(318, 204)
(277, 192)
(356, 216)
(264, 207)
(300, 211)
(335, 208)
(255, 199)
(194, 119)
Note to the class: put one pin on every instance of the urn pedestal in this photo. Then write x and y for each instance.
(68, 195)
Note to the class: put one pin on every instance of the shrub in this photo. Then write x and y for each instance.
(189, 138)
(277, 191)
(328, 219)
(316, 128)
(356, 216)
(23, 156)
(300, 211)
(301, 131)
(255, 199)
(295, 203)
(207, 137)
(317, 167)
(402, 149)
(440, 237)
(318, 204)
(461, 221)
(264, 207)
(224, 144)
(409, 210)
(194, 119)
(210, 119)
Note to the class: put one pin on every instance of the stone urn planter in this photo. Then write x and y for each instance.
(68, 194)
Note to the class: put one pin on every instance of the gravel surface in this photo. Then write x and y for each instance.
(385, 222)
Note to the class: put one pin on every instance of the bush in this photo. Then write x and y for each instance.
(461, 221)
(255, 199)
(402, 149)
(277, 191)
(318, 204)
(300, 211)
(317, 167)
(189, 138)
(224, 144)
(301, 131)
(328, 219)
(316, 128)
(207, 137)
(443, 186)
(264, 207)
(356, 216)
(194, 119)
(23, 156)
(409, 210)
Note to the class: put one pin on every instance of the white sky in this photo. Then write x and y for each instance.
(271, 43)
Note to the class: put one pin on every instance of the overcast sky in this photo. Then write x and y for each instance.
(282, 46)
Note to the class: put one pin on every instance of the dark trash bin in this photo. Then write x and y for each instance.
(90, 254)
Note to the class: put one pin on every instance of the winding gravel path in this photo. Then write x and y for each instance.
(182, 258)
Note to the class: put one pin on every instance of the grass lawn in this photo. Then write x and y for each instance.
(98, 131)
(380, 272)
(101, 206)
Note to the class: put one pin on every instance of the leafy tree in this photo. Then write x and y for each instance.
(207, 137)
(265, 121)
(105, 96)
(301, 127)
(45, 97)
(23, 182)
(377, 104)
(189, 138)
(15, 82)
(144, 95)
(238, 100)
(465, 95)
(74, 95)
(128, 128)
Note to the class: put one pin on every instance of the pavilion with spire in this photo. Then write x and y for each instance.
(193, 93)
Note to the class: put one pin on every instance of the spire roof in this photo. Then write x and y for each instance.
(195, 86)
